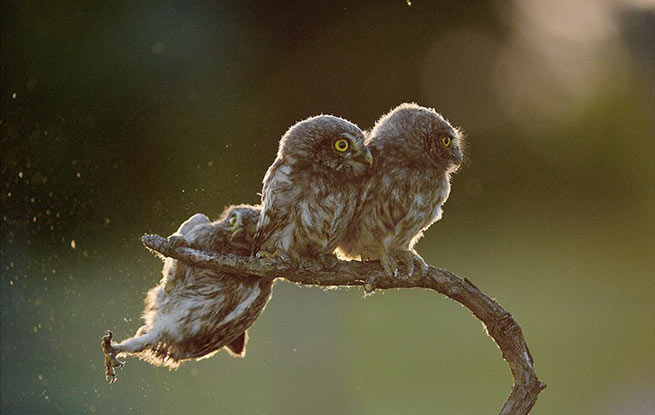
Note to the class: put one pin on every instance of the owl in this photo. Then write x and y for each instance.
(312, 190)
(194, 312)
(416, 151)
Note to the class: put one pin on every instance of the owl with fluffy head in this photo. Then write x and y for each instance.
(194, 312)
(416, 151)
(312, 190)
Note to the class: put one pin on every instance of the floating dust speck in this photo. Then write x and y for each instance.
(13, 95)
(73, 244)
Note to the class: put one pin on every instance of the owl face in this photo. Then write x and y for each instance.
(427, 132)
(445, 147)
(239, 224)
(326, 142)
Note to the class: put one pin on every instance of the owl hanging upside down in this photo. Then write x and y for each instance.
(194, 312)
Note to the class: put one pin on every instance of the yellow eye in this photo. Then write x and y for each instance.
(445, 141)
(341, 145)
(232, 220)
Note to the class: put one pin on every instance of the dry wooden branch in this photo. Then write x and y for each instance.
(499, 323)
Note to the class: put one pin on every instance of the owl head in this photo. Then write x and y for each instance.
(326, 143)
(424, 133)
(238, 224)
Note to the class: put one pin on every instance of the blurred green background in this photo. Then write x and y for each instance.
(121, 118)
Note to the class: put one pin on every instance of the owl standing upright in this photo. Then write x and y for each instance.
(312, 189)
(194, 311)
(416, 150)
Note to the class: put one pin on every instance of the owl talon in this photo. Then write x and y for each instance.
(111, 362)
(410, 259)
(290, 259)
(424, 267)
(177, 240)
(389, 266)
(328, 261)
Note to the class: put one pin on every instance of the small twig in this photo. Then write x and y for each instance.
(499, 323)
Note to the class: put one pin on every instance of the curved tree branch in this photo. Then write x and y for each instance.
(499, 323)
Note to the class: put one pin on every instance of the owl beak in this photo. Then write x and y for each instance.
(236, 228)
(368, 157)
(458, 158)
(235, 233)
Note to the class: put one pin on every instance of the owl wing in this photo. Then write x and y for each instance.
(276, 193)
(418, 211)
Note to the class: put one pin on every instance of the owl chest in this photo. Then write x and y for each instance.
(440, 195)
(416, 200)
(321, 221)
(426, 208)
